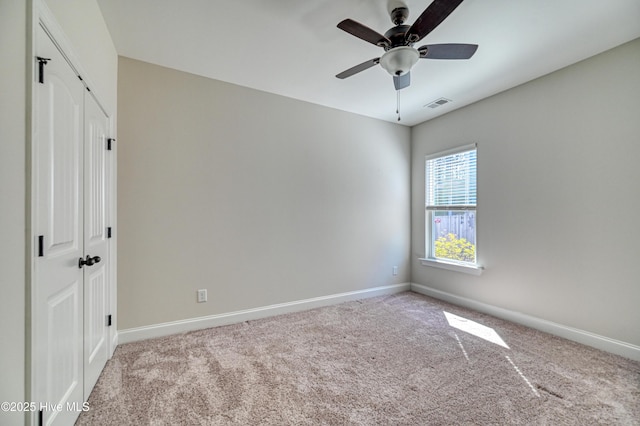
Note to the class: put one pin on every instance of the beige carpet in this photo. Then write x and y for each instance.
(393, 360)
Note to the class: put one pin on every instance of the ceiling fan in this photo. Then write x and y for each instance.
(400, 55)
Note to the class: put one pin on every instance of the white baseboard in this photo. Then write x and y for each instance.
(584, 337)
(167, 328)
(114, 344)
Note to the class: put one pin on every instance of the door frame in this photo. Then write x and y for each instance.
(41, 16)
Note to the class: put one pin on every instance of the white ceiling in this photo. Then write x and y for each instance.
(293, 48)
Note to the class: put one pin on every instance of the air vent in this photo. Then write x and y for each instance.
(437, 103)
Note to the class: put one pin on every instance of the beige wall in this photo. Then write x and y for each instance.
(558, 175)
(13, 21)
(258, 198)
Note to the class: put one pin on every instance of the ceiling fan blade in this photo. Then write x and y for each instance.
(364, 32)
(360, 67)
(447, 51)
(402, 81)
(432, 16)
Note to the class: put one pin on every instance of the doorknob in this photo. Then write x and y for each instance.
(88, 261)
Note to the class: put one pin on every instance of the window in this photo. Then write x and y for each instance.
(451, 203)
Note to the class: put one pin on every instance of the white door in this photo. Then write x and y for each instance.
(96, 244)
(57, 291)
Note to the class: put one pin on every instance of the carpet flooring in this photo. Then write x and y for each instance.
(404, 359)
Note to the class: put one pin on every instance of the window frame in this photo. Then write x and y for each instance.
(430, 260)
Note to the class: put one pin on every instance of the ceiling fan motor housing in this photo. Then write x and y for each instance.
(396, 36)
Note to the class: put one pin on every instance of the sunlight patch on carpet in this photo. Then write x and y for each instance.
(523, 376)
(477, 329)
(461, 346)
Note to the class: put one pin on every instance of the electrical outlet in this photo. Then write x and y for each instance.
(202, 295)
(395, 270)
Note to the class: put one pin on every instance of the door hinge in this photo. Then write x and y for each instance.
(40, 245)
(109, 232)
(109, 320)
(41, 63)
(109, 141)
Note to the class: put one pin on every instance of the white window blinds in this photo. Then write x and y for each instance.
(451, 180)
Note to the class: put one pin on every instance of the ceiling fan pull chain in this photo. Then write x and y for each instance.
(398, 104)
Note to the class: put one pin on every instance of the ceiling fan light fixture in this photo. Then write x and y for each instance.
(399, 60)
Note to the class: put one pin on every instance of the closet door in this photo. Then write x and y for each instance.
(96, 244)
(57, 291)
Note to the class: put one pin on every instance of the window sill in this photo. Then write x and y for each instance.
(450, 266)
